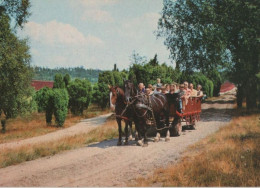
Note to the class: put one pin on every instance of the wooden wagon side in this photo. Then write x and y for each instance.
(191, 114)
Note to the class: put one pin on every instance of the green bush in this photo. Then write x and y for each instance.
(48, 108)
(57, 104)
(42, 98)
(60, 105)
(66, 80)
(217, 80)
(80, 92)
(148, 73)
(100, 95)
(59, 81)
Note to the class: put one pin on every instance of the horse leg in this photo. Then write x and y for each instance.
(158, 135)
(139, 141)
(119, 142)
(167, 124)
(145, 138)
(126, 132)
(130, 130)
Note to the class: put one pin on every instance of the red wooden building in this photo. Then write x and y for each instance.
(227, 86)
(38, 84)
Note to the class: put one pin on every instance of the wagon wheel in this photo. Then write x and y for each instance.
(176, 128)
(193, 124)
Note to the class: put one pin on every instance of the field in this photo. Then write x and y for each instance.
(35, 125)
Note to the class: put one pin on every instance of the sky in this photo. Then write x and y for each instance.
(94, 34)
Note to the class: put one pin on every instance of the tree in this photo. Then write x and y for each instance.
(15, 71)
(118, 77)
(101, 94)
(206, 35)
(154, 61)
(57, 104)
(148, 72)
(80, 92)
(18, 10)
(66, 80)
(59, 81)
(42, 98)
(60, 99)
(101, 91)
(136, 58)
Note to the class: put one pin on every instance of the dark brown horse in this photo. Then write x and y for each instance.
(117, 102)
(144, 108)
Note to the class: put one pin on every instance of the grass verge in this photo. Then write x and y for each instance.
(15, 156)
(35, 124)
(230, 157)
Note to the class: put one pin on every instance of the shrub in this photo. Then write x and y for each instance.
(79, 95)
(42, 98)
(66, 80)
(58, 81)
(101, 95)
(60, 105)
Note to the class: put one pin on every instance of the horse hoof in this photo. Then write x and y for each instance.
(140, 143)
(145, 145)
(156, 139)
(130, 137)
(119, 143)
(167, 139)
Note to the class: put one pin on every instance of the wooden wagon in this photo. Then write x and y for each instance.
(189, 116)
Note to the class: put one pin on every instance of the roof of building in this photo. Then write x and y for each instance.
(38, 84)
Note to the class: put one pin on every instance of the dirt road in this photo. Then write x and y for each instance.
(105, 164)
(83, 127)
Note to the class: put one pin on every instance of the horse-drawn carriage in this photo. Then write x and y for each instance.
(160, 110)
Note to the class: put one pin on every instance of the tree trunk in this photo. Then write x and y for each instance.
(251, 95)
(240, 96)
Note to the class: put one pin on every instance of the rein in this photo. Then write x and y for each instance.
(121, 115)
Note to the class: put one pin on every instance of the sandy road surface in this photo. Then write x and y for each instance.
(105, 164)
(82, 127)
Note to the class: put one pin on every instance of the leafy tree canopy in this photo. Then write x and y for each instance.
(17, 10)
(212, 34)
(15, 71)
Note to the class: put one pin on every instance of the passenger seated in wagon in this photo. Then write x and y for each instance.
(172, 89)
(181, 96)
(199, 92)
(141, 88)
(194, 92)
(187, 92)
(158, 90)
(150, 87)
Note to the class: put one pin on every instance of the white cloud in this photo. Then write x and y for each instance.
(96, 3)
(97, 15)
(93, 10)
(139, 26)
(54, 33)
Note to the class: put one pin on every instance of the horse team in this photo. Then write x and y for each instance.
(145, 111)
